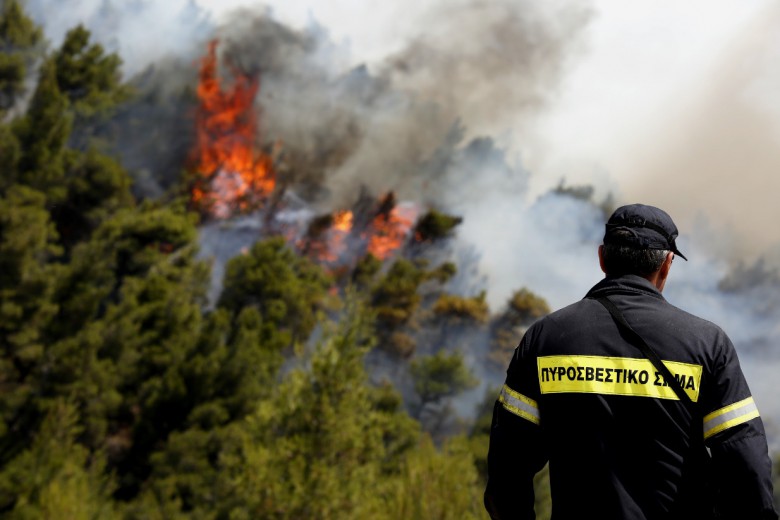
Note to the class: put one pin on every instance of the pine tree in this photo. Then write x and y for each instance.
(20, 46)
(43, 133)
(76, 84)
(454, 315)
(506, 330)
(440, 376)
(56, 477)
(320, 447)
(27, 246)
(288, 290)
(88, 76)
(130, 305)
(233, 369)
(434, 483)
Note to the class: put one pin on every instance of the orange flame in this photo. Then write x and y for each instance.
(342, 225)
(342, 221)
(389, 230)
(234, 176)
(328, 246)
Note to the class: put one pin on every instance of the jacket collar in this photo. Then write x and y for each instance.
(624, 284)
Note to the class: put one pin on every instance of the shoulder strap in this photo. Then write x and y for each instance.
(649, 353)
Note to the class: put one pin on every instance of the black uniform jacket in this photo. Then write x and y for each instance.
(620, 443)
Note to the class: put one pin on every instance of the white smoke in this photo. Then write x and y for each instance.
(142, 32)
(417, 122)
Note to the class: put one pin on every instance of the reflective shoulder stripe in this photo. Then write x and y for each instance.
(519, 404)
(729, 416)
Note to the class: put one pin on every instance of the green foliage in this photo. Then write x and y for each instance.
(435, 226)
(26, 245)
(525, 307)
(130, 311)
(17, 30)
(400, 344)
(455, 315)
(366, 269)
(82, 188)
(444, 272)
(26, 307)
(441, 484)
(97, 187)
(129, 244)
(479, 436)
(10, 154)
(586, 193)
(232, 369)
(506, 330)
(56, 477)
(86, 75)
(395, 296)
(42, 134)
(287, 289)
(461, 310)
(542, 497)
(20, 42)
(319, 447)
(398, 296)
(440, 375)
(124, 394)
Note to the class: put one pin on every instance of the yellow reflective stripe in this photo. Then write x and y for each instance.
(728, 416)
(616, 376)
(518, 404)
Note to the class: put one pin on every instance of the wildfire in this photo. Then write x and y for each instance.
(389, 230)
(381, 232)
(235, 176)
(337, 236)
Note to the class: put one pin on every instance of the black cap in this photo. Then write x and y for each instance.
(648, 227)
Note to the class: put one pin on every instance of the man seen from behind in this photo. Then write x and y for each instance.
(583, 393)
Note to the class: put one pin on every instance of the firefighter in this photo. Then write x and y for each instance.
(623, 442)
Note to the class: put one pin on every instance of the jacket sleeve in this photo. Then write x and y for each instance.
(734, 432)
(517, 451)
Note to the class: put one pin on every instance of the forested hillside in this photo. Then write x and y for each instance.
(126, 394)
(314, 384)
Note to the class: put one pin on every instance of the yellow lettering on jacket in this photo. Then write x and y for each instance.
(616, 376)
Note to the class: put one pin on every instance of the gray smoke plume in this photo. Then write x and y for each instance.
(441, 122)
(714, 149)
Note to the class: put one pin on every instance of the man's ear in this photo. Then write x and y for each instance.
(663, 272)
(601, 259)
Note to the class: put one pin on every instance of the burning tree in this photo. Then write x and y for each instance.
(233, 174)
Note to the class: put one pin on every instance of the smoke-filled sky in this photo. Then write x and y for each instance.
(671, 103)
(479, 108)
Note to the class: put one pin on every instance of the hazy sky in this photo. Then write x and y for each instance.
(664, 102)
(671, 103)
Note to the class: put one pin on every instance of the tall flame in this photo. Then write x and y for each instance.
(389, 230)
(326, 239)
(234, 175)
(342, 225)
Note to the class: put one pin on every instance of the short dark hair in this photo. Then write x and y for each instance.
(620, 260)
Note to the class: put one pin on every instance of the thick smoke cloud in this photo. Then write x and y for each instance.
(715, 150)
(490, 62)
(441, 122)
